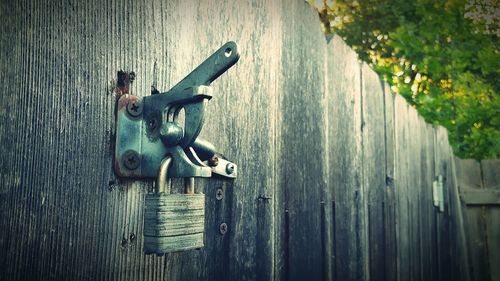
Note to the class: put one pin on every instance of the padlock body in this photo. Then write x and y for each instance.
(173, 222)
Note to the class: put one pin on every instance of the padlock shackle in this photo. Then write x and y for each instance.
(162, 179)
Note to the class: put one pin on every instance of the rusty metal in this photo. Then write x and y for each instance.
(214, 161)
(122, 83)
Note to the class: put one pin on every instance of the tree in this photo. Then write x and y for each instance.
(442, 56)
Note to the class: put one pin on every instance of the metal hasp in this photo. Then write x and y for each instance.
(163, 125)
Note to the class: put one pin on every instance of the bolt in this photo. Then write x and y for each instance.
(131, 160)
(230, 168)
(134, 108)
(223, 228)
(219, 194)
(214, 161)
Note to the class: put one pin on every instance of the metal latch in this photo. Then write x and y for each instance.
(151, 128)
(438, 193)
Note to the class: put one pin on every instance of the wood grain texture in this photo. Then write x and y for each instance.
(303, 141)
(373, 159)
(316, 135)
(428, 223)
(477, 182)
(401, 182)
(390, 238)
(469, 176)
(344, 154)
(491, 181)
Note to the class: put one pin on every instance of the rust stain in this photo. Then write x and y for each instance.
(122, 83)
(124, 100)
(121, 105)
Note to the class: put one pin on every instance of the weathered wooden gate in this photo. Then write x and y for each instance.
(335, 172)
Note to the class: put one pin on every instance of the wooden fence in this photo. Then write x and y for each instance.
(479, 186)
(335, 172)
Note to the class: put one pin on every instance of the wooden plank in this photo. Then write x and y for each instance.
(493, 236)
(491, 173)
(373, 169)
(468, 174)
(481, 196)
(389, 199)
(443, 234)
(425, 208)
(460, 264)
(429, 222)
(414, 189)
(302, 141)
(491, 181)
(401, 187)
(462, 257)
(344, 143)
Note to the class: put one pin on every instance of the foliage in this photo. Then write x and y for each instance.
(442, 56)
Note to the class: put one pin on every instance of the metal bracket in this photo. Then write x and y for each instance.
(438, 193)
(151, 128)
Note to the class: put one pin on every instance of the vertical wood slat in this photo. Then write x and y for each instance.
(401, 186)
(491, 180)
(373, 159)
(344, 149)
(390, 239)
(482, 245)
(303, 141)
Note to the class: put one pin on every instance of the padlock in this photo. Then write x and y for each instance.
(173, 221)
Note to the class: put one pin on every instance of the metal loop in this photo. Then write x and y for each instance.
(162, 179)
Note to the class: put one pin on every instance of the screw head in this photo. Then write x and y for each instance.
(223, 228)
(134, 108)
(230, 168)
(131, 160)
(219, 194)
